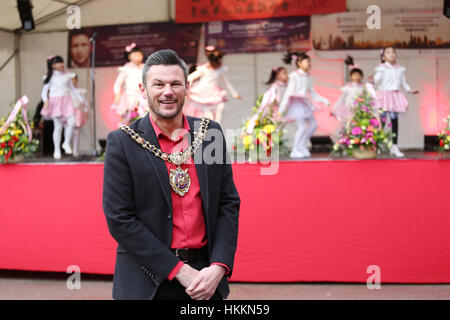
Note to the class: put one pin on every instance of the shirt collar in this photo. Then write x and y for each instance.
(389, 65)
(159, 132)
(279, 83)
(302, 73)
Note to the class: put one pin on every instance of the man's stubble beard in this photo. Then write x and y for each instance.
(155, 109)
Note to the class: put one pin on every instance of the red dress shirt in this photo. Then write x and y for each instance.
(188, 219)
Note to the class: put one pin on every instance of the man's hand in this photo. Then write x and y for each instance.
(186, 275)
(205, 283)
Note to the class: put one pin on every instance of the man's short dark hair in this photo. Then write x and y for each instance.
(166, 57)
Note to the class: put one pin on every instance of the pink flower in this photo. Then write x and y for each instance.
(356, 131)
(374, 122)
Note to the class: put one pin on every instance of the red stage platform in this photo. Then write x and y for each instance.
(312, 221)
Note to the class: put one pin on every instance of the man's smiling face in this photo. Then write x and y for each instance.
(166, 90)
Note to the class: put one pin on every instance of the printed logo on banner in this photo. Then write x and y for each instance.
(215, 27)
(260, 35)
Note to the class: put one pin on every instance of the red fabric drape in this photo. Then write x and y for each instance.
(312, 221)
(207, 10)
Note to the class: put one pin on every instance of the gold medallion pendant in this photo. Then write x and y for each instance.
(180, 180)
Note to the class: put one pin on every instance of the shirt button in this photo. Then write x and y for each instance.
(169, 216)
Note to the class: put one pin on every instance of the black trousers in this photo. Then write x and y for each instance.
(394, 130)
(394, 123)
(173, 290)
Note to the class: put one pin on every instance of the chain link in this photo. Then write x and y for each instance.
(176, 158)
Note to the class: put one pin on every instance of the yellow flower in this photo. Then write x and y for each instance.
(269, 128)
(247, 140)
(261, 136)
(1, 152)
(18, 132)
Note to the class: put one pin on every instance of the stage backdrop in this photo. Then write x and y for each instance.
(411, 30)
(259, 35)
(111, 42)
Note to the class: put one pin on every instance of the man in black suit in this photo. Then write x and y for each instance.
(169, 197)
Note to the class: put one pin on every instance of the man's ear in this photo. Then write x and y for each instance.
(187, 88)
(142, 91)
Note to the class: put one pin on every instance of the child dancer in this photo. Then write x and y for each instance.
(205, 96)
(272, 97)
(58, 104)
(342, 109)
(296, 105)
(129, 104)
(81, 115)
(389, 77)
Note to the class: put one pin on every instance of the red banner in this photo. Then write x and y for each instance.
(191, 11)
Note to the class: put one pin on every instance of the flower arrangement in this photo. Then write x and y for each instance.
(364, 131)
(444, 137)
(15, 135)
(129, 116)
(262, 132)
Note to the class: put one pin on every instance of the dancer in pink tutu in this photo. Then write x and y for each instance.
(205, 96)
(389, 78)
(81, 115)
(342, 109)
(127, 100)
(272, 97)
(296, 105)
(58, 104)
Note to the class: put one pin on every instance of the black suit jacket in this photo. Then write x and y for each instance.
(138, 207)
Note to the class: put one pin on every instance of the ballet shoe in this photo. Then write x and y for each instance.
(306, 152)
(67, 148)
(297, 154)
(57, 155)
(396, 152)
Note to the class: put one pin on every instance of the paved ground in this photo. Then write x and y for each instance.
(40, 285)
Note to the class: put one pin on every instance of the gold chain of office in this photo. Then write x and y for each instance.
(179, 179)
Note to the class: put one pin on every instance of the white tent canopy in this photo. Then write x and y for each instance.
(51, 15)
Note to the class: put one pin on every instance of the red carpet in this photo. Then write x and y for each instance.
(313, 221)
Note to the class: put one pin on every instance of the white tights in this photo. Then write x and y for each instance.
(305, 130)
(219, 112)
(58, 124)
(76, 140)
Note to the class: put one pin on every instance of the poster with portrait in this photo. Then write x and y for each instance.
(259, 35)
(112, 40)
(349, 31)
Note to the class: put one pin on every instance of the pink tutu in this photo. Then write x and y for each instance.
(392, 101)
(342, 112)
(208, 95)
(80, 119)
(194, 109)
(59, 107)
(299, 108)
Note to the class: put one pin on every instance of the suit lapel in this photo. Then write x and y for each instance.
(201, 168)
(147, 132)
